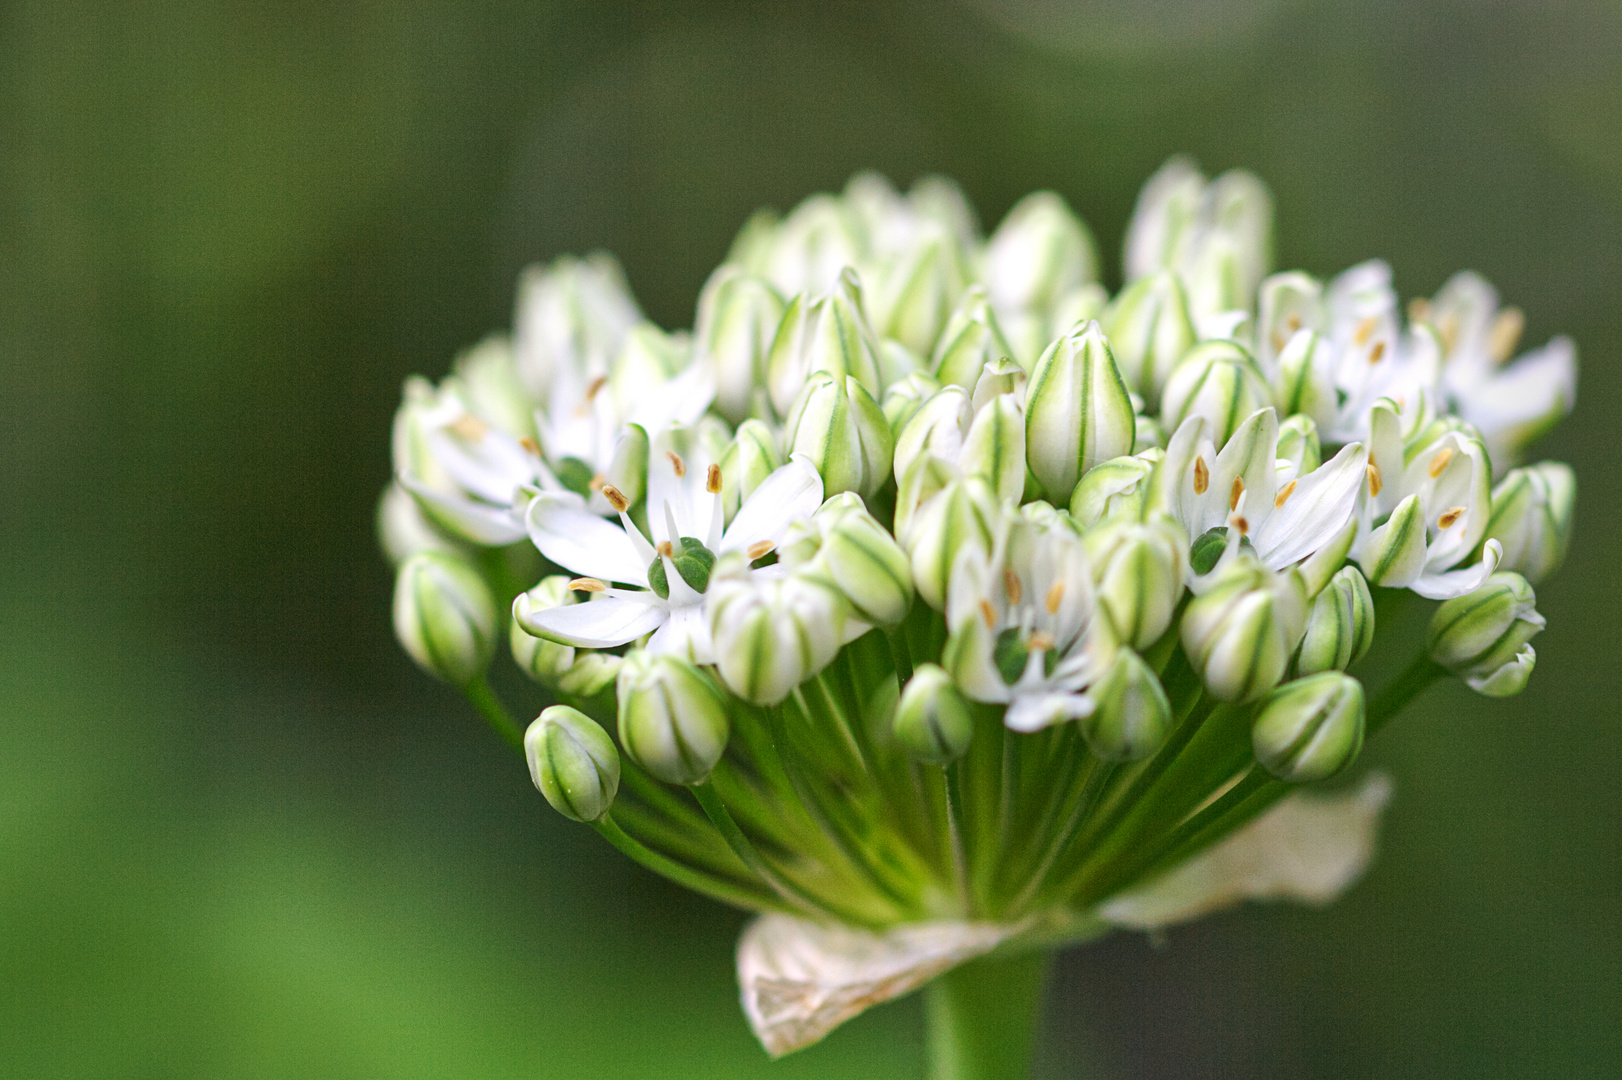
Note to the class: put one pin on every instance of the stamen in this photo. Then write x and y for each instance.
(595, 385)
(1505, 334)
(586, 584)
(1446, 520)
(1449, 331)
(676, 463)
(1419, 310)
(1238, 490)
(1039, 640)
(665, 548)
(1284, 496)
(1011, 586)
(1055, 597)
(615, 499)
(1202, 476)
(1439, 462)
(1374, 479)
(531, 445)
(1365, 330)
(1242, 525)
(988, 613)
(1377, 353)
(469, 427)
(1293, 323)
(759, 549)
(597, 482)
(712, 480)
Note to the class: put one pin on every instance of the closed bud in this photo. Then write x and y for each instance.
(1079, 305)
(1077, 412)
(903, 399)
(1241, 630)
(403, 529)
(866, 564)
(932, 721)
(445, 616)
(972, 339)
(1303, 380)
(1139, 569)
(590, 674)
(746, 463)
(936, 428)
(650, 357)
(1132, 715)
(1310, 729)
(1115, 488)
(837, 425)
(1340, 627)
(914, 294)
(962, 512)
(487, 379)
(1041, 251)
(1149, 330)
(809, 248)
(1287, 304)
(1479, 635)
(573, 762)
(573, 315)
(1531, 518)
(1298, 445)
(771, 635)
(542, 660)
(1219, 381)
(672, 718)
(738, 316)
(822, 332)
(994, 448)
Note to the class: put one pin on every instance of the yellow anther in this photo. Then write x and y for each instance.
(1377, 353)
(616, 499)
(586, 584)
(531, 445)
(1446, 520)
(1054, 598)
(759, 549)
(712, 480)
(1365, 330)
(1439, 462)
(665, 548)
(1374, 479)
(596, 384)
(1011, 586)
(1202, 476)
(1237, 490)
(676, 463)
(988, 613)
(1242, 525)
(1284, 495)
(1039, 640)
(597, 482)
(1505, 334)
(469, 427)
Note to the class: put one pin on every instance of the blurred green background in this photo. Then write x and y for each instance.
(241, 836)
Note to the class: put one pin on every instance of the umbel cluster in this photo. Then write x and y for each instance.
(924, 580)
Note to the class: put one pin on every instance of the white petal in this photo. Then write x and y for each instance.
(1320, 505)
(582, 542)
(800, 980)
(1033, 712)
(600, 624)
(791, 493)
(1306, 848)
(686, 633)
(492, 526)
(1447, 584)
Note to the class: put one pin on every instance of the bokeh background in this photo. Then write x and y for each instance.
(241, 836)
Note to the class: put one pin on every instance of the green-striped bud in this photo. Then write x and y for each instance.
(972, 339)
(590, 674)
(738, 315)
(1115, 488)
(1149, 330)
(542, 660)
(827, 333)
(445, 616)
(962, 512)
(837, 425)
(932, 721)
(994, 447)
(1242, 629)
(1139, 568)
(1219, 381)
(1077, 306)
(771, 635)
(903, 399)
(1041, 251)
(486, 377)
(1077, 412)
(1340, 628)
(672, 718)
(572, 315)
(1132, 715)
(747, 462)
(1303, 377)
(865, 563)
(1482, 637)
(1531, 518)
(1393, 554)
(809, 248)
(403, 529)
(1310, 729)
(1286, 304)
(915, 293)
(649, 357)
(936, 428)
(1298, 444)
(573, 762)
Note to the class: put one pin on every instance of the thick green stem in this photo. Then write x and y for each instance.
(982, 1018)
(721, 818)
(484, 699)
(740, 896)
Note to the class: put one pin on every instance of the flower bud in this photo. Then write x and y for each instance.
(994, 448)
(837, 425)
(487, 379)
(1139, 570)
(1242, 629)
(825, 332)
(590, 674)
(750, 458)
(403, 529)
(1340, 627)
(1147, 433)
(771, 635)
(1482, 636)
(1303, 377)
(738, 316)
(896, 362)
(1287, 304)
(914, 294)
(571, 315)
(1132, 715)
(445, 616)
(1219, 381)
(811, 246)
(1299, 446)
(1114, 488)
(936, 428)
(672, 719)
(962, 512)
(1077, 412)
(932, 721)
(573, 762)
(1531, 518)
(1149, 330)
(1041, 251)
(867, 566)
(1310, 729)
(972, 339)
(903, 399)
(1077, 306)
(542, 660)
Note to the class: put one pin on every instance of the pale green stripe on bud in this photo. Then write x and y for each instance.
(770, 636)
(751, 457)
(933, 723)
(1299, 446)
(573, 762)
(961, 513)
(672, 719)
(1040, 252)
(445, 616)
(1219, 381)
(1531, 518)
(1479, 635)
(971, 340)
(542, 660)
(841, 429)
(1118, 487)
(1241, 631)
(738, 315)
(827, 333)
(1310, 729)
(1303, 377)
(1132, 715)
(1139, 569)
(1340, 628)
(913, 295)
(867, 565)
(1150, 330)
(994, 448)
(1077, 412)
(1393, 555)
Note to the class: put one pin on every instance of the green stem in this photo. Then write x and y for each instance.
(721, 818)
(484, 699)
(901, 654)
(1395, 696)
(954, 822)
(981, 1018)
(739, 896)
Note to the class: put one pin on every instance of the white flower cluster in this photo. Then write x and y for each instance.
(910, 495)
